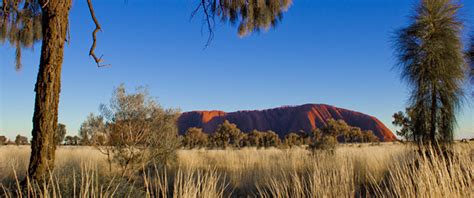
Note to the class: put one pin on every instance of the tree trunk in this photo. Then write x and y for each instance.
(48, 85)
(434, 109)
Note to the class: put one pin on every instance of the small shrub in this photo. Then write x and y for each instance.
(134, 131)
(327, 143)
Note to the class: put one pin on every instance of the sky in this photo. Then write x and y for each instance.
(324, 51)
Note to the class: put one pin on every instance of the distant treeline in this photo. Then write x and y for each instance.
(59, 138)
(227, 135)
(19, 140)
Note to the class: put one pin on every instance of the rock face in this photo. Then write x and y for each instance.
(284, 120)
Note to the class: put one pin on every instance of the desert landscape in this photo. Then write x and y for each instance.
(236, 98)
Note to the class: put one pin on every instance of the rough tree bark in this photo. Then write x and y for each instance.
(55, 20)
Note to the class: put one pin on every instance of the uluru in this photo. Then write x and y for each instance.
(284, 120)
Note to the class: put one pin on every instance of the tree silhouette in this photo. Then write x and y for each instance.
(404, 120)
(431, 59)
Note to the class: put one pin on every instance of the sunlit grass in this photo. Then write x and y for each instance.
(386, 170)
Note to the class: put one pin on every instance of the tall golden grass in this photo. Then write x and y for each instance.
(386, 170)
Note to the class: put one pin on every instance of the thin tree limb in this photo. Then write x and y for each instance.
(97, 60)
(209, 23)
(195, 11)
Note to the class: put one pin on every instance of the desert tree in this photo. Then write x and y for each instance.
(195, 138)
(227, 134)
(316, 134)
(24, 22)
(431, 60)
(243, 141)
(3, 140)
(138, 130)
(336, 128)
(259, 139)
(76, 140)
(355, 134)
(21, 140)
(326, 143)
(369, 136)
(404, 121)
(72, 140)
(292, 139)
(254, 138)
(305, 138)
(68, 140)
(95, 132)
(90, 130)
(270, 139)
(60, 134)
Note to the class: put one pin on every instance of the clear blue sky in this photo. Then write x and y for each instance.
(324, 51)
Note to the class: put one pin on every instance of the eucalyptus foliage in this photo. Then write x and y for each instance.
(20, 22)
(251, 15)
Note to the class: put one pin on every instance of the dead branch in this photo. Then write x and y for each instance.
(97, 60)
(195, 11)
(208, 21)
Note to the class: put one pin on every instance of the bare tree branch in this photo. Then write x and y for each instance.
(97, 60)
(209, 21)
(195, 11)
